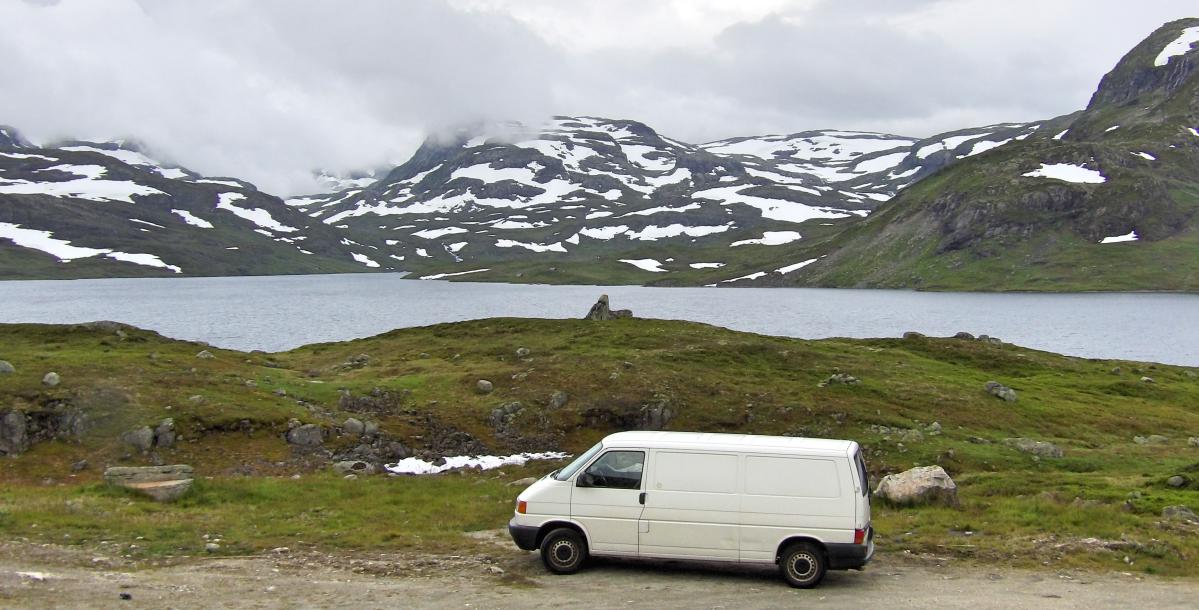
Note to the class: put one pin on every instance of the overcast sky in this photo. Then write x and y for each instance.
(267, 90)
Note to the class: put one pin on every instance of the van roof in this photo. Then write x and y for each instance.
(728, 442)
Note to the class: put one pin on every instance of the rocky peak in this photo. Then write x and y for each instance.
(1156, 68)
(11, 138)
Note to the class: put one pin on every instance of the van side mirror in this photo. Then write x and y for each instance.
(585, 480)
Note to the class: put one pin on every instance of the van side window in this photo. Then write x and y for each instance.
(618, 469)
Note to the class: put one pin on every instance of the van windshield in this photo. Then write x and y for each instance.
(574, 466)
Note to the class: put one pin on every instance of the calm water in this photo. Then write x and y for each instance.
(277, 313)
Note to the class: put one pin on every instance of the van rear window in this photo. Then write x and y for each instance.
(863, 476)
(792, 477)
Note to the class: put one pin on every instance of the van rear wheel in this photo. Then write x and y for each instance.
(803, 565)
(563, 551)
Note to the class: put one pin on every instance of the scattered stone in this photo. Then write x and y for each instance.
(1177, 481)
(933, 428)
(353, 467)
(6, 367)
(79, 466)
(164, 433)
(356, 362)
(1191, 374)
(601, 311)
(977, 440)
(280, 392)
(205, 355)
(212, 547)
(1152, 439)
(370, 428)
(280, 550)
(1180, 513)
(998, 390)
(484, 386)
(1147, 380)
(523, 352)
(351, 477)
(911, 334)
(423, 355)
(1193, 441)
(839, 378)
(963, 335)
(921, 485)
(306, 435)
(525, 482)
(496, 570)
(501, 417)
(51, 379)
(162, 483)
(141, 439)
(1037, 448)
(197, 399)
(250, 383)
(656, 415)
(353, 426)
(558, 399)
(1117, 371)
(991, 340)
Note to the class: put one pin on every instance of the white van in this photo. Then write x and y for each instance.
(800, 503)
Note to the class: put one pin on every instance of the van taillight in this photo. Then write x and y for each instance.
(859, 536)
(521, 506)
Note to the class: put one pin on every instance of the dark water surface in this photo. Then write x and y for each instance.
(281, 312)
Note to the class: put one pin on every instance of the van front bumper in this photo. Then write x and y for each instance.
(525, 536)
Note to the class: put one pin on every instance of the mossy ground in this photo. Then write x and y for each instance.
(1018, 509)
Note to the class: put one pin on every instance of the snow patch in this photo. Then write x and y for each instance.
(257, 216)
(508, 243)
(773, 209)
(1146, 156)
(1067, 172)
(192, 220)
(1179, 46)
(796, 266)
(1131, 236)
(654, 232)
(435, 233)
(414, 465)
(438, 276)
(770, 238)
(65, 252)
(645, 264)
(752, 276)
(706, 265)
(364, 259)
(1061, 134)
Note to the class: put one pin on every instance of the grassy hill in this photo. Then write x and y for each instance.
(232, 411)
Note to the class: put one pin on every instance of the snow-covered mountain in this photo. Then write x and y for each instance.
(85, 209)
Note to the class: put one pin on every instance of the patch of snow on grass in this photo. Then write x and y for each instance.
(435, 233)
(770, 238)
(87, 186)
(654, 232)
(949, 143)
(984, 146)
(148, 260)
(414, 465)
(515, 224)
(594, 215)
(1061, 134)
(257, 216)
(1068, 173)
(796, 266)
(364, 259)
(1132, 236)
(604, 233)
(1146, 156)
(1194, 132)
(1112, 128)
(650, 211)
(645, 264)
(423, 253)
(438, 276)
(879, 164)
(13, 155)
(1179, 46)
(773, 209)
(192, 220)
(752, 276)
(65, 252)
(508, 243)
(706, 265)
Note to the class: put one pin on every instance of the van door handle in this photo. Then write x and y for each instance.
(641, 498)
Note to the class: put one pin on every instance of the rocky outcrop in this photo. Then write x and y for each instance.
(1152, 439)
(601, 311)
(6, 368)
(924, 485)
(59, 420)
(558, 399)
(161, 483)
(998, 390)
(1037, 448)
(164, 434)
(140, 439)
(1180, 513)
(356, 467)
(14, 439)
(306, 435)
(353, 426)
(839, 379)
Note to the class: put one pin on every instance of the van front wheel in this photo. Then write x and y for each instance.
(803, 565)
(563, 551)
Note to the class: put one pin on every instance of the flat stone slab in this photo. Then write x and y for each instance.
(162, 483)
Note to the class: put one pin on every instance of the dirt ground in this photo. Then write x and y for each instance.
(37, 576)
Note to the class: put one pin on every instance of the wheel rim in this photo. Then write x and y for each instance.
(564, 553)
(802, 566)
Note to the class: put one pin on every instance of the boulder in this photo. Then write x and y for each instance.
(306, 435)
(656, 415)
(998, 390)
(523, 352)
(501, 417)
(14, 436)
(357, 467)
(205, 355)
(921, 485)
(6, 367)
(370, 428)
(141, 439)
(911, 334)
(840, 378)
(558, 399)
(963, 335)
(1037, 448)
(353, 426)
(1177, 481)
(601, 311)
(1180, 513)
(162, 483)
(164, 433)
(1147, 380)
(525, 482)
(1152, 439)
(79, 466)
(1193, 441)
(484, 386)
(51, 379)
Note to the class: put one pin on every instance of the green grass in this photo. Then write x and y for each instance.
(713, 379)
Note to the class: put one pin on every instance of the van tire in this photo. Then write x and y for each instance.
(803, 565)
(563, 551)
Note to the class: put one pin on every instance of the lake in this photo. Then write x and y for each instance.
(281, 312)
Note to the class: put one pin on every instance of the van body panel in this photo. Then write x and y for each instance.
(691, 505)
(609, 517)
